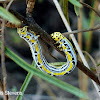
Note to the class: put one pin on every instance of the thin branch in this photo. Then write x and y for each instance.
(88, 72)
(2, 87)
(47, 38)
(88, 6)
(3, 53)
(86, 30)
(93, 61)
(3, 59)
(0, 30)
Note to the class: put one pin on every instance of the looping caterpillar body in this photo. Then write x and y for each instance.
(65, 46)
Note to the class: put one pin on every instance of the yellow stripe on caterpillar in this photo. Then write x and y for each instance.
(33, 41)
(70, 67)
(22, 31)
(28, 37)
(46, 70)
(39, 59)
(68, 55)
(36, 47)
(61, 73)
(64, 47)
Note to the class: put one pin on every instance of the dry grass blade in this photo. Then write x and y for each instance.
(86, 30)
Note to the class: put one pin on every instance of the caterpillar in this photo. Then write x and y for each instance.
(64, 45)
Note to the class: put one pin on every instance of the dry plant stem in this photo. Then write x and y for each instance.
(88, 6)
(93, 61)
(46, 37)
(3, 54)
(97, 27)
(2, 87)
(73, 38)
(86, 30)
(88, 72)
(3, 59)
(82, 77)
(30, 6)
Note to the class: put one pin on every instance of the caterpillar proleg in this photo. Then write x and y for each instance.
(65, 46)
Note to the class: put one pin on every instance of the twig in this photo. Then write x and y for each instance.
(2, 87)
(0, 30)
(3, 59)
(3, 53)
(86, 30)
(93, 77)
(88, 72)
(93, 61)
(88, 6)
(46, 37)
(30, 6)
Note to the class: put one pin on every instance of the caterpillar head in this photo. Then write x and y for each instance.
(22, 31)
(57, 36)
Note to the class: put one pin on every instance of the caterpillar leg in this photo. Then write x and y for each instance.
(60, 48)
(36, 37)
